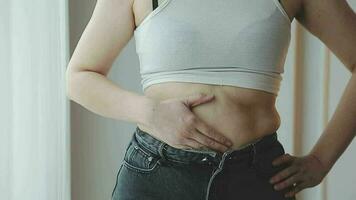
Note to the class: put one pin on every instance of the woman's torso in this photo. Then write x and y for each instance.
(241, 114)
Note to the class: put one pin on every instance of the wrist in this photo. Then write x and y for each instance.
(327, 164)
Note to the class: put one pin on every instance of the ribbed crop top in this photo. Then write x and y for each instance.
(240, 43)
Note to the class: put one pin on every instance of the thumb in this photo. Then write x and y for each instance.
(196, 99)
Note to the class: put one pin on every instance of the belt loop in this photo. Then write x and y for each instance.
(160, 151)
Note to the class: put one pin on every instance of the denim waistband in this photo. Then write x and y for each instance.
(162, 149)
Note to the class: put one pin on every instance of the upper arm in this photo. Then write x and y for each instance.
(334, 23)
(108, 31)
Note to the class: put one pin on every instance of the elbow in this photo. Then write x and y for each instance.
(70, 82)
(75, 76)
(68, 78)
(353, 69)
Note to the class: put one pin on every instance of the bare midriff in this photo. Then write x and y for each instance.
(243, 115)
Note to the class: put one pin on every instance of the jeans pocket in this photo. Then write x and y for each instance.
(138, 159)
(264, 160)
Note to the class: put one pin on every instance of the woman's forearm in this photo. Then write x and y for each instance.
(100, 95)
(340, 130)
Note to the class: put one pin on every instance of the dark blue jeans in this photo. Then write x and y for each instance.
(153, 170)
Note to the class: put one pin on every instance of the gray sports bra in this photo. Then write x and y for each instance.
(240, 43)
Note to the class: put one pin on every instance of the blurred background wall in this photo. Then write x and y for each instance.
(313, 82)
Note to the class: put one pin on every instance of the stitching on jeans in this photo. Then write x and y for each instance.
(139, 149)
(140, 170)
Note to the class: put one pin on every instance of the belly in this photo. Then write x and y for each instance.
(243, 115)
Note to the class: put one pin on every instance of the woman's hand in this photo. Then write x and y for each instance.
(302, 172)
(173, 122)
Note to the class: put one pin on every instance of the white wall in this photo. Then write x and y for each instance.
(34, 112)
(312, 85)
